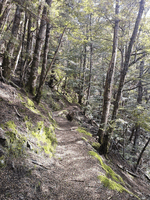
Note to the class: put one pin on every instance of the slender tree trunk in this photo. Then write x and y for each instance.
(22, 60)
(2, 5)
(4, 16)
(31, 85)
(139, 101)
(141, 154)
(10, 46)
(103, 138)
(44, 71)
(91, 62)
(83, 77)
(80, 75)
(28, 52)
(44, 65)
(127, 59)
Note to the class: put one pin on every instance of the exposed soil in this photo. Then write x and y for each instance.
(72, 174)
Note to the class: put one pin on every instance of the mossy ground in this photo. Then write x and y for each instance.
(45, 136)
(82, 130)
(115, 181)
(15, 140)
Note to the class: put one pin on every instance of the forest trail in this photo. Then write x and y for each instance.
(74, 171)
(72, 174)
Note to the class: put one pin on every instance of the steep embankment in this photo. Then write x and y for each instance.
(31, 170)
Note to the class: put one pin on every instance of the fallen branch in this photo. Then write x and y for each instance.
(17, 112)
(36, 163)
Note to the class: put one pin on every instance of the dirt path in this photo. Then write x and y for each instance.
(74, 174)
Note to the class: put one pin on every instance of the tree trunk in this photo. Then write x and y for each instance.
(108, 88)
(91, 62)
(141, 154)
(127, 59)
(10, 46)
(2, 5)
(31, 85)
(81, 94)
(45, 72)
(44, 65)
(139, 101)
(23, 48)
(80, 75)
(4, 16)
(28, 52)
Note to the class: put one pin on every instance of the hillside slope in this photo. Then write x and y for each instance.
(37, 164)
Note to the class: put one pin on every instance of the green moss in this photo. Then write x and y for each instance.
(63, 113)
(82, 130)
(42, 106)
(96, 145)
(20, 97)
(45, 136)
(107, 169)
(51, 119)
(11, 125)
(15, 140)
(112, 184)
(28, 103)
(83, 138)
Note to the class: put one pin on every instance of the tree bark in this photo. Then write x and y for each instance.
(141, 154)
(44, 65)
(91, 62)
(4, 16)
(2, 5)
(139, 101)
(10, 46)
(82, 76)
(45, 72)
(127, 59)
(103, 139)
(31, 85)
